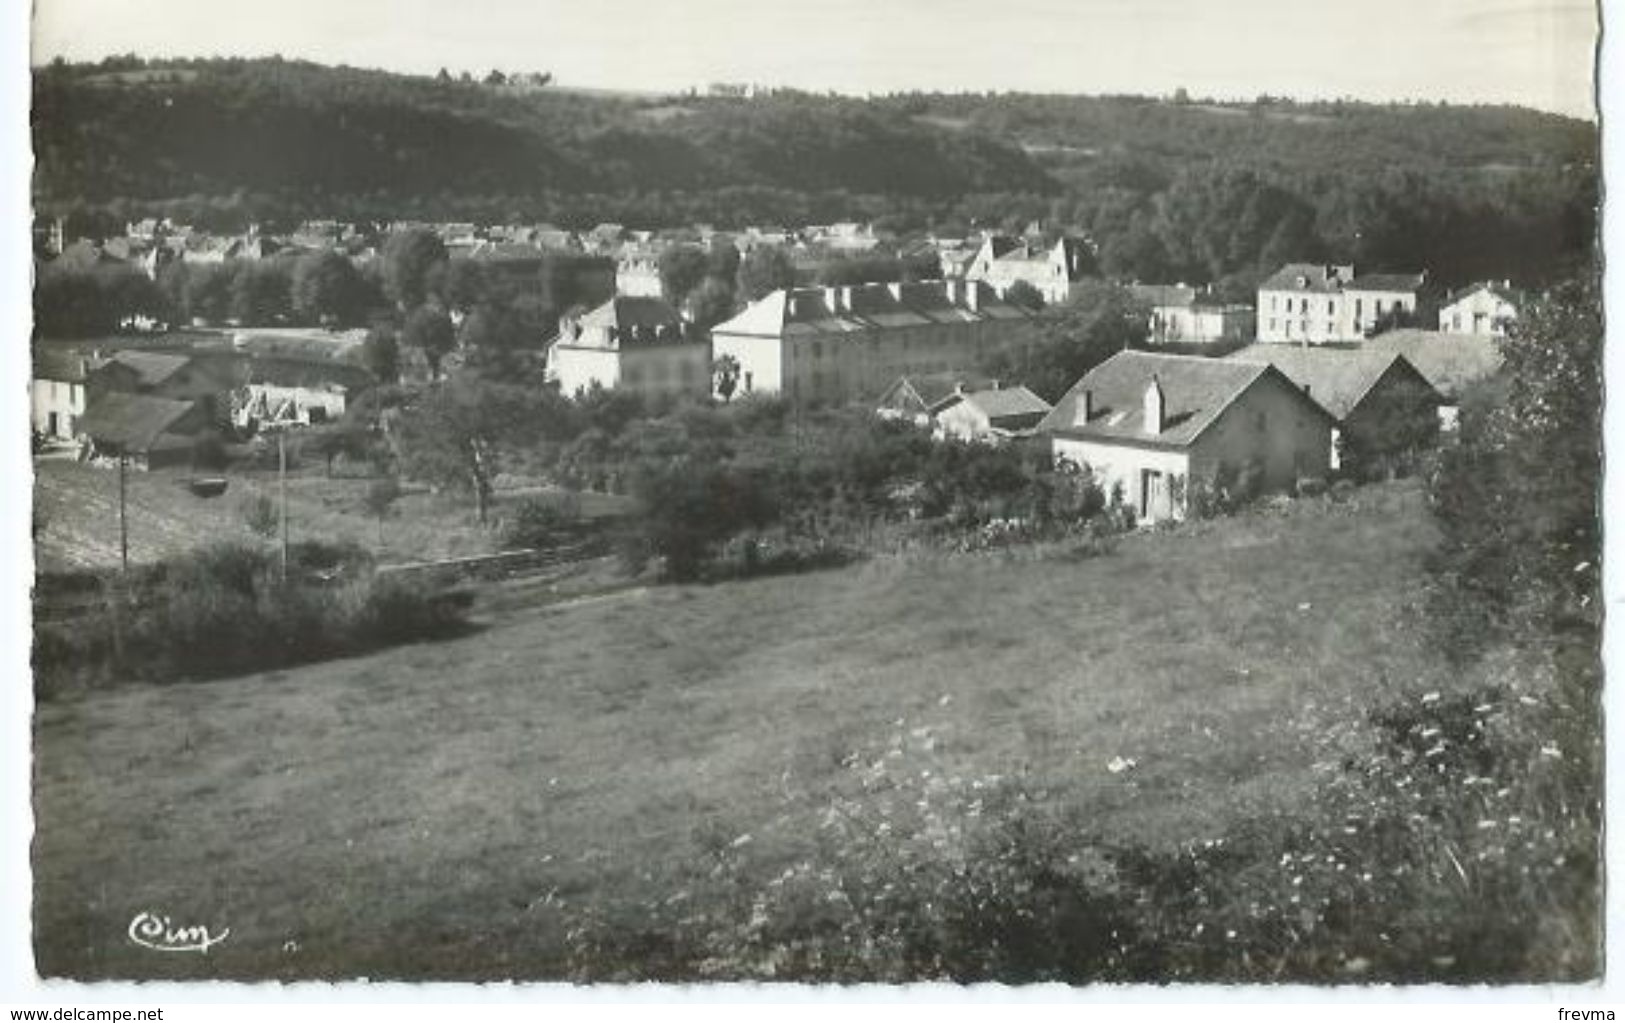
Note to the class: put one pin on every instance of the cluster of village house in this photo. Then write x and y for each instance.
(1318, 351)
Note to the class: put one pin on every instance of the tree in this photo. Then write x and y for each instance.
(1516, 497)
(766, 269)
(328, 288)
(1100, 321)
(682, 268)
(457, 432)
(382, 493)
(687, 506)
(711, 303)
(430, 331)
(1024, 295)
(381, 353)
(410, 260)
(725, 371)
(261, 292)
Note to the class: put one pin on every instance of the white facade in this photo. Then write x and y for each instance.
(1482, 311)
(656, 369)
(56, 406)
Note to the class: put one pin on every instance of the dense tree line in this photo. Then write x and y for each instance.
(1195, 191)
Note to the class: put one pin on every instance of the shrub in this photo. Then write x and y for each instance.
(224, 609)
(537, 523)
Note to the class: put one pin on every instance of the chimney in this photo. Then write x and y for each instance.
(973, 295)
(832, 298)
(1153, 406)
(1084, 410)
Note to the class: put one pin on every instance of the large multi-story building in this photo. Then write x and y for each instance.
(837, 344)
(1311, 303)
(631, 343)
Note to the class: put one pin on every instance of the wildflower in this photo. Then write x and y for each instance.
(1551, 750)
(1432, 697)
(742, 840)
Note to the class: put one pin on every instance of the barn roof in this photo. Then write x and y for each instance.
(132, 422)
(1337, 378)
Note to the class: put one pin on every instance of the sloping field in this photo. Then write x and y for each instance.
(440, 811)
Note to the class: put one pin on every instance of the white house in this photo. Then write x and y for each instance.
(1181, 314)
(1150, 425)
(1055, 271)
(57, 393)
(992, 415)
(1485, 308)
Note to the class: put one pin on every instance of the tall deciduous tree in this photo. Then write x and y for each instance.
(1100, 321)
(430, 331)
(412, 258)
(328, 289)
(766, 269)
(458, 432)
(682, 268)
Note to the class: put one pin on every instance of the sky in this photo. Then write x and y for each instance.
(1535, 53)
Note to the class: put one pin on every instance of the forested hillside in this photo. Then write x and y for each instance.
(1167, 188)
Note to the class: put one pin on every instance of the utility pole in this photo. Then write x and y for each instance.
(282, 485)
(123, 523)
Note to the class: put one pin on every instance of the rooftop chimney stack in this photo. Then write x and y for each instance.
(1084, 410)
(1154, 404)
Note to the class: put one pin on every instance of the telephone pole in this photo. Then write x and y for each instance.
(123, 522)
(282, 486)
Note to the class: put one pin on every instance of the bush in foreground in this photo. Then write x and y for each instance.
(224, 609)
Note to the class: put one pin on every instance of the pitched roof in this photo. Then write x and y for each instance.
(132, 422)
(1160, 296)
(1337, 378)
(931, 389)
(1195, 389)
(151, 368)
(1332, 278)
(1450, 362)
(1502, 290)
(864, 307)
(999, 403)
(624, 311)
(1312, 277)
(1386, 282)
(52, 364)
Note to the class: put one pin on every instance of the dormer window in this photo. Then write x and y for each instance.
(1303, 282)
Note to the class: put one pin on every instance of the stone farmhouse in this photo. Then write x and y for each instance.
(1181, 314)
(837, 344)
(636, 343)
(1309, 303)
(1149, 424)
(1055, 271)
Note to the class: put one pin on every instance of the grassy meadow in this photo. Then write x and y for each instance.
(442, 810)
